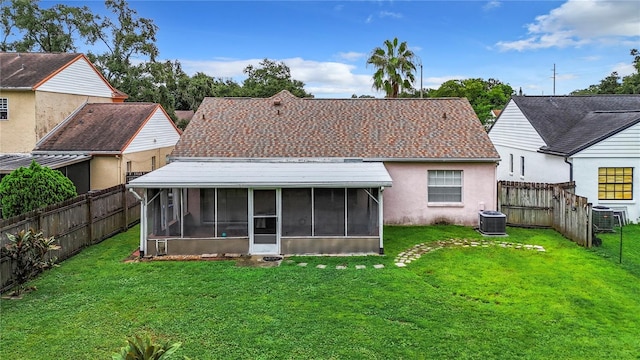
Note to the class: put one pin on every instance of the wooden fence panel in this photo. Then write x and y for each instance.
(547, 205)
(75, 223)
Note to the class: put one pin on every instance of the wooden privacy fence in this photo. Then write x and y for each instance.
(76, 223)
(547, 205)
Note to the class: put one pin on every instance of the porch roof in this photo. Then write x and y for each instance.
(193, 174)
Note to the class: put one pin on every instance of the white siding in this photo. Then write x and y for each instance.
(514, 130)
(586, 177)
(623, 144)
(158, 132)
(512, 134)
(79, 78)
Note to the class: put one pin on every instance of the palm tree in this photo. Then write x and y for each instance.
(395, 67)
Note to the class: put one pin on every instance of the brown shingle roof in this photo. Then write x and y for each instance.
(287, 126)
(99, 128)
(26, 70)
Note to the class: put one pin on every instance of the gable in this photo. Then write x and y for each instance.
(623, 144)
(513, 129)
(158, 132)
(285, 126)
(80, 78)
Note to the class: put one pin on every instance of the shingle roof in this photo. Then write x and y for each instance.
(285, 126)
(98, 128)
(593, 128)
(555, 117)
(25, 70)
(10, 162)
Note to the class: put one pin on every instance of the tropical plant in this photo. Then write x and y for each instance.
(143, 348)
(26, 189)
(28, 251)
(394, 65)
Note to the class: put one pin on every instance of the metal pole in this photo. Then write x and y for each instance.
(420, 79)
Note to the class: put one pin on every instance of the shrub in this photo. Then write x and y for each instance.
(143, 348)
(28, 250)
(27, 189)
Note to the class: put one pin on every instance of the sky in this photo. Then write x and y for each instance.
(326, 43)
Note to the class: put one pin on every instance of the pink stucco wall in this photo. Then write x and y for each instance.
(406, 201)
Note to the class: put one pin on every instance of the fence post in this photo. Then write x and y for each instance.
(89, 200)
(125, 209)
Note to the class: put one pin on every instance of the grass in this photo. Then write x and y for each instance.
(463, 303)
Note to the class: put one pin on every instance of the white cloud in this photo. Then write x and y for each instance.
(491, 5)
(384, 14)
(624, 69)
(578, 22)
(351, 55)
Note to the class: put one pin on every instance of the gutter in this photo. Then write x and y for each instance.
(329, 159)
(566, 160)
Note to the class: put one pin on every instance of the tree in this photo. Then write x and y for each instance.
(483, 95)
(269, 78)
(44, 30)
(394, 67)
(29, 188)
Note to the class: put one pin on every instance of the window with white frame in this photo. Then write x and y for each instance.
(522, 166)
(4, 108)
(445, 186)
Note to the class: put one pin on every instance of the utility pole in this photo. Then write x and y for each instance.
(420, 79)
(554, 79)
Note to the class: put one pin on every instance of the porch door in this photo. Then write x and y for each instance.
(265, 222)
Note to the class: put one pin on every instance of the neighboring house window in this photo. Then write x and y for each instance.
(153, 163)
(521, 165)
(4, 108)
(445, 186)
(128, 166)
(511, 163)
(615, 183)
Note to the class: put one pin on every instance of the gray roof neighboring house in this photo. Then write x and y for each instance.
(568, 124)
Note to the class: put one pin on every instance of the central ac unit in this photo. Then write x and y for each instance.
(493, 223)
(602, 218)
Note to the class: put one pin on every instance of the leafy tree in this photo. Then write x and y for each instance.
(43, 30)
(394, 65)
(484, 95)
(28, 251)
(269, 78)
(29, 188)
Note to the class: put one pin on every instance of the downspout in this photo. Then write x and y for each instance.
(566, 160)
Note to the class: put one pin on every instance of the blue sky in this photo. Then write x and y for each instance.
(326, 43)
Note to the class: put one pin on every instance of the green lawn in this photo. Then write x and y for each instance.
(462, 303)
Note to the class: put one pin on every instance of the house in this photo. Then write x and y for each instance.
(120, 138)
(285, 175)
(593, 140)
(39, 90)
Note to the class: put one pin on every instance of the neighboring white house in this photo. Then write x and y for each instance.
(592, 140)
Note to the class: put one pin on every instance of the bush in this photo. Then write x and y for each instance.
(27, 189)
(28, 250)
(144, 349)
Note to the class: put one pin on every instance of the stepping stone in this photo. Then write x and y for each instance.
(360, 267)
(340, 267)
(321, 266)
(401, 264)
(302, 264)
(378, 266)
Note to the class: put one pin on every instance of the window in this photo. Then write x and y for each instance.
(615, 183)
(511, 163)
(296, 212)
(153, 163)
(4, 108)
(521, 165)
(329, 212)
(128, 166)
(445, 186)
